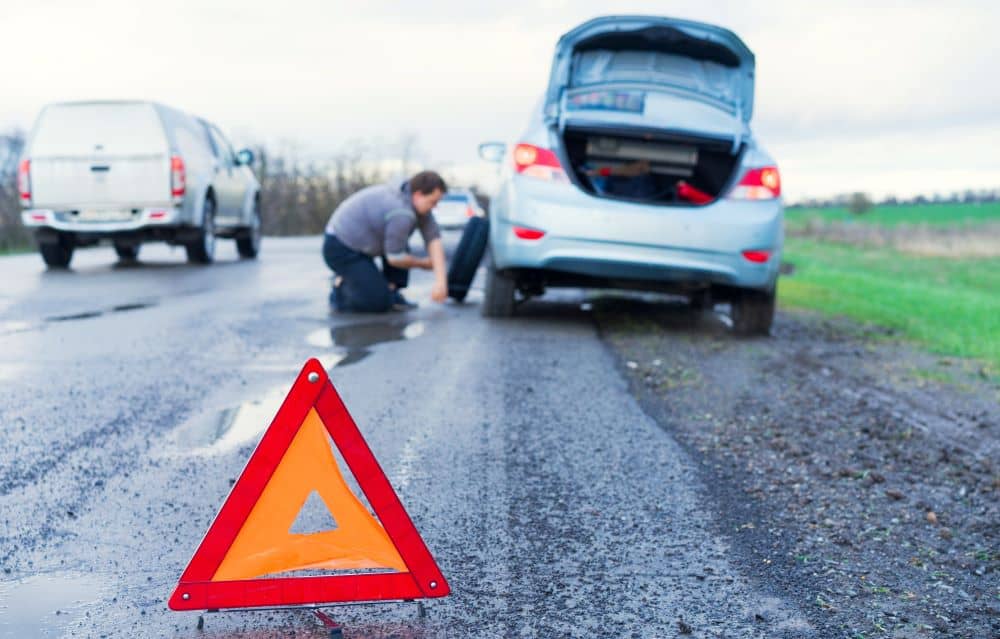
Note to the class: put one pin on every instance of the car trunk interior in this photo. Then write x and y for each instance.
(667, 170)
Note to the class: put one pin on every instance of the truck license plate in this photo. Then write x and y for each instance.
(104, 215)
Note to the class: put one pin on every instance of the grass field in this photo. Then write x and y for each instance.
(951, 306)
(925, 214)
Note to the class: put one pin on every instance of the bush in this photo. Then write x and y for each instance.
(859, 203)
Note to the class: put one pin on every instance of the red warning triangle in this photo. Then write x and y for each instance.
(240, 562)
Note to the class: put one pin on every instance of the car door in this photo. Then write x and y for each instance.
(229, 184)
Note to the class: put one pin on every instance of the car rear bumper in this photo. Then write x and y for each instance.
(66, 221)
(598, 238)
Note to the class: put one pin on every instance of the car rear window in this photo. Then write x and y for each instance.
(85, 129)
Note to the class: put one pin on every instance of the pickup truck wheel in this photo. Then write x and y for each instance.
(498, 298)
(202, 250)
(126, 252)
(57, 254)
(248, 241)
(753, 312)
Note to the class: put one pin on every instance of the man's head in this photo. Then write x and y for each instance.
(426, 190)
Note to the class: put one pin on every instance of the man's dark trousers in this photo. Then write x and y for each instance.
(364, 288)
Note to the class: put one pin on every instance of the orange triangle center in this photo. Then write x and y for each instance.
(265, 545)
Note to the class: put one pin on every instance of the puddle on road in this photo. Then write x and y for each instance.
(353, 340)
(15, 326)
(121, 308)
(222, 431)
(9, 371)
(229, 428)
(46, 605)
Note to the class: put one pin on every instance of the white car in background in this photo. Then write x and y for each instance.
(455, 209)
(133, 172)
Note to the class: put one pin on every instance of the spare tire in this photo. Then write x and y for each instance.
(467, 257)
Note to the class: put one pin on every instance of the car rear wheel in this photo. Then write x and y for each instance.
(753, 312)
(202, 249)
(59, 253)
(248, 242)
(498, 299)
(127, 252)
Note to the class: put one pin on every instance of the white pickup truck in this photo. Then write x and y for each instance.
(133, 172)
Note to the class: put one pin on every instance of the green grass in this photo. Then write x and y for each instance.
(951, 306)
(929, 214)
(15, 251)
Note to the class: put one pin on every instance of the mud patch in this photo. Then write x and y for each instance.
(46, 605)
(866, 494)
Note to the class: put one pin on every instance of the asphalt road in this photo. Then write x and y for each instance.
(132, 396)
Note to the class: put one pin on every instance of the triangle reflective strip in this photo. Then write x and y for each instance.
(251, 537)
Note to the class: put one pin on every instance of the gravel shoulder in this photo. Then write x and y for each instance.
(853, 475)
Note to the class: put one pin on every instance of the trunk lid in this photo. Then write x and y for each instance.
(104, 155)
(643, 68)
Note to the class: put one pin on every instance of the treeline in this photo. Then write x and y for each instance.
(856, 199)
(297, 199)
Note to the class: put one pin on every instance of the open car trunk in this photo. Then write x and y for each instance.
(665, 170)
(651, 109)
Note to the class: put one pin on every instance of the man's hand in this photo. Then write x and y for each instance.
(435, 251)
(439, 292)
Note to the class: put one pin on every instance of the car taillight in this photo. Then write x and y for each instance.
(534, 161)
(469, 212)
(758, 184)
(525, 233)
(178, 177)
(24, 181)
(756, 256)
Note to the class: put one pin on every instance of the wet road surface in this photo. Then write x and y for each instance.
(131, 396)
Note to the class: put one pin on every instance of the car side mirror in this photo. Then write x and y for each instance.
(492, 151)
(245, 157)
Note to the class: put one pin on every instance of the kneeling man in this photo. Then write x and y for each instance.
(377, 222)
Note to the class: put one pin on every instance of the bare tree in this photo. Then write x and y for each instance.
(12, 234)
(297, 198)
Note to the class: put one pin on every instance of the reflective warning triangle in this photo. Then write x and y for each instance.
(247, 552)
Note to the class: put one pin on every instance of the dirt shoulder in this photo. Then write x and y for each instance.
(855, 475)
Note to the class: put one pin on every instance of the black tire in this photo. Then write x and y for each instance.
(467, 257)
(753, 312)
(498, 300)
(126, 252)
(248, 241)
(57, 254)
(202, 250)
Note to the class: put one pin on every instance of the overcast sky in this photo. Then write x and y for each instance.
(901, 98)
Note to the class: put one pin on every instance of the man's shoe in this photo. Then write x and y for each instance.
(399, 303)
